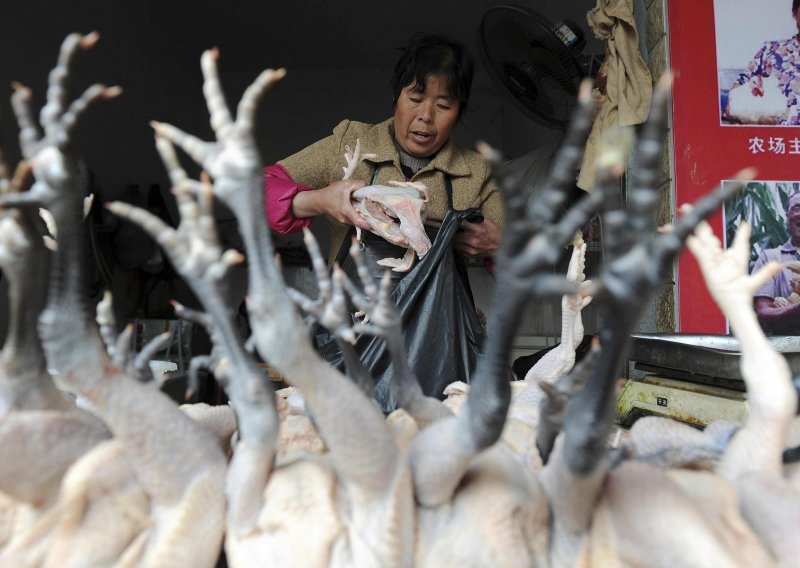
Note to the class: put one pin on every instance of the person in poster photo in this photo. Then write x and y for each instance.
(778, 301)
(767, 91)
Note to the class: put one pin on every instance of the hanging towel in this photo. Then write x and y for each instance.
(628, 83)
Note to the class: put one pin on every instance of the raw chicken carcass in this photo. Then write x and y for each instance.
(42, 431)
(354, 504)
(176, 464)
(396, 212)
(752, 461)
(557, 362)
(464, 474)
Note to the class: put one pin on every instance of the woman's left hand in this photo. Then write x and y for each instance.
(478, 239)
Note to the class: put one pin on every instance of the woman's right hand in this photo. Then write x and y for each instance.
(333, 200)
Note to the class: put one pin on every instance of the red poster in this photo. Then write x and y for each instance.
(737, 69)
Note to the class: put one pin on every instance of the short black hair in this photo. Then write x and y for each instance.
(430, 54)
(795, 5)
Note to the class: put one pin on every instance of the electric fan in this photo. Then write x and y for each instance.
(538, 64)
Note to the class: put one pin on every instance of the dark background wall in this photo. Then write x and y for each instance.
(339, 56)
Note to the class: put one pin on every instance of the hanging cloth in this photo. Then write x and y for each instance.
(628, 83)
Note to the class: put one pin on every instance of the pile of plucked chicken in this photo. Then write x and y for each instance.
(99, 468)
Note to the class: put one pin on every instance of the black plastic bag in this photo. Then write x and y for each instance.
(441, 329)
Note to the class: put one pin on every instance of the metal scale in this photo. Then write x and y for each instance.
(691, 378)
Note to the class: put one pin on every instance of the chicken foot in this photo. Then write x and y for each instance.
(753, 459)
(531, 243)
(153, 431)
(372, 474)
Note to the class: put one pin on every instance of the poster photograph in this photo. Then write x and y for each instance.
(735, 105)
(772, 209)
(758, 54)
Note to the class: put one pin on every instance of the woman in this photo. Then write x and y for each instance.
(767, 92)
(431, 85)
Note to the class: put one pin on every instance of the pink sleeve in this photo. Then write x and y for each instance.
(279, 191)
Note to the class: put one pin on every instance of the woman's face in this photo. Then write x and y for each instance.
(423, 120)
(796, 16)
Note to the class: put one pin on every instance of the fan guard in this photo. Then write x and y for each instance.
(535, 62)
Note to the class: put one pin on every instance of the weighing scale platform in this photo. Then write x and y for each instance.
(691, 378)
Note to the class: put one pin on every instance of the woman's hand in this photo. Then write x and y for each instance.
(478, 239)
(333, 200)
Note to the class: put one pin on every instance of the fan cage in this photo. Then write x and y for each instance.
(525, 55)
